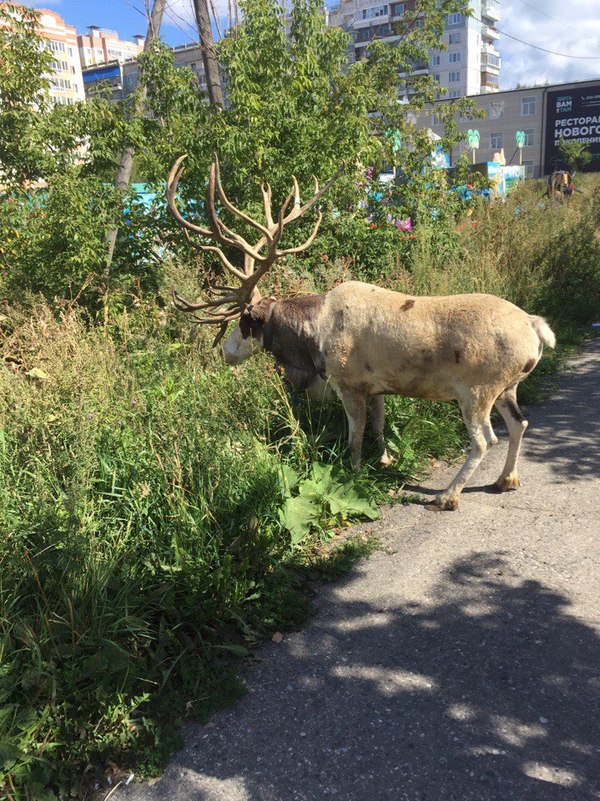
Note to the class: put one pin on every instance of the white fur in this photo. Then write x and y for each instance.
(236, 349)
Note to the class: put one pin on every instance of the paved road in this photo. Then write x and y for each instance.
(461, 662)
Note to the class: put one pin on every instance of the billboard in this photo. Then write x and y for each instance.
(573, 114)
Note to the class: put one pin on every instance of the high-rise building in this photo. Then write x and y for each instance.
(66, 82)
(100, 45)
(469, 64)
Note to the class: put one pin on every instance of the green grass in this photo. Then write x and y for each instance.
(161, 513)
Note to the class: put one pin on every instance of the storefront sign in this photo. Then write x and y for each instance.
(574, 115)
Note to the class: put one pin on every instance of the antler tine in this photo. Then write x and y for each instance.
(309, 241)
(281, 218)
(172, 184)
(267, 199)
(220, 231)
(185, 305)
(214, 249)
(230, 207)
(318, 192)
(296, 192)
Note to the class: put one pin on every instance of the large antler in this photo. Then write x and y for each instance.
(263, 254)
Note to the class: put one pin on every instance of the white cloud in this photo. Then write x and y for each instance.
(572, 28)
(180, 14)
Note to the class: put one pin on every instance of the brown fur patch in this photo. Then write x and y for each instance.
(529, 366)
(514, 410)
(254, 317)
(296, 349)
(457, 356)
(408, 305)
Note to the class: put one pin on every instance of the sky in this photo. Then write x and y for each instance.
(568, 27)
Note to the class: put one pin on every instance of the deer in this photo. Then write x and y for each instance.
(366, 341)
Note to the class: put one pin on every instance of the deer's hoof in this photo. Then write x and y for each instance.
(386, 460)
(512, 482)
(443, 505)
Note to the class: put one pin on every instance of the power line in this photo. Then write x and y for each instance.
(170, 10)
(549, 16)
(543, 49)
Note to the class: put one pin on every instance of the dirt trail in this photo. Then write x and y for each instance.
(461, 662)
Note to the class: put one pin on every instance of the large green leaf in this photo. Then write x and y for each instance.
(345, 500)
(298, 515)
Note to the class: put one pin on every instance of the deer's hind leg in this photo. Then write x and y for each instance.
(507, 405)
(476, 414)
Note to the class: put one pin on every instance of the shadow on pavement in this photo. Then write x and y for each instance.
(490, 693)
(566, 432)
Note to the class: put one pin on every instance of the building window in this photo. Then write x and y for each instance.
(398, 9)
(454, 77)
(454, 38)
(529, 137)
(453, 58)
(454, 93)
(454, 19)
(436, 118)
(435, 61)
(528, 106)
(437, 78)
(496, 140)
(57, 47)
(528, 169)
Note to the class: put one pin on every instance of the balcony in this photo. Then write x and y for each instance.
(488, 32)
(490, 63)
(491, 9)
(490, 50)
(374, 15)
(365, 23)
(489, 80)
(373, 32)
(417, 68)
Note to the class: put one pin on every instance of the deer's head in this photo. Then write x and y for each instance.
(226, 303)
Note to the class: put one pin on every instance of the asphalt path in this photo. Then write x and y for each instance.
(460, 662)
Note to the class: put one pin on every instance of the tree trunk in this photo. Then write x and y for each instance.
(123, 176)
(211, 66)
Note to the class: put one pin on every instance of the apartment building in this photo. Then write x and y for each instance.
(543, 113)
(467, 64)
(123, 77)
(101, 45)
(66, 82)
